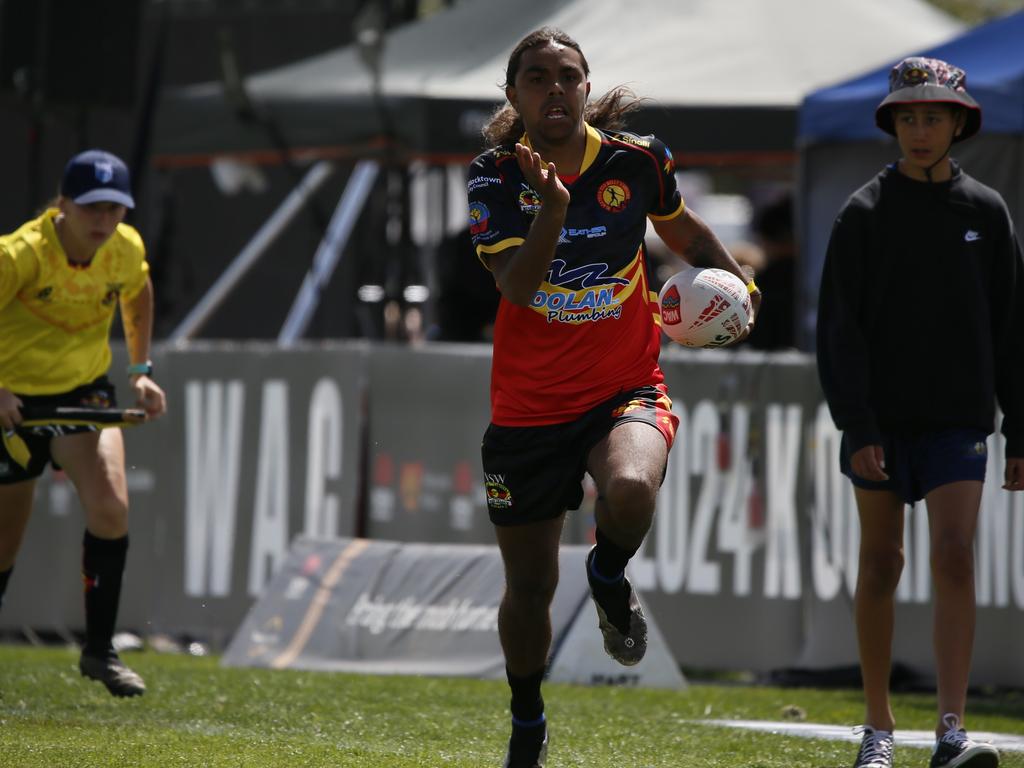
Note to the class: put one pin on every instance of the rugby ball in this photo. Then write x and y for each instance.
(704, 307)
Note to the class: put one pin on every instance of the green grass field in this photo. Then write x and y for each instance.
(196, 713)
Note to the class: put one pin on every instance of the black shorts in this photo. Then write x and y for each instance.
(97, 394)
(536, 473)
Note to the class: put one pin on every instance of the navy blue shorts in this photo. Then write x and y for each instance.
(919, 463)
(536, 473)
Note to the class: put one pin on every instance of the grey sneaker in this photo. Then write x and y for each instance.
(955, 750)
(524, 753)
(875, 748)
(111, 671)
(626, 649)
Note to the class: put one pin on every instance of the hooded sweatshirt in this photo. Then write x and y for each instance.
(921, 311)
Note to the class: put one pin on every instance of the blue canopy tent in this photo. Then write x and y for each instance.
(841, 148)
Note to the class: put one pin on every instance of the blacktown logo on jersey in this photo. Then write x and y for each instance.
(478, 182)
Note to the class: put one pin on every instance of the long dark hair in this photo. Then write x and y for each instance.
(609, 111)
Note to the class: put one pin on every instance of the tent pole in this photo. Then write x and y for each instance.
(357, 190)
(254, 249)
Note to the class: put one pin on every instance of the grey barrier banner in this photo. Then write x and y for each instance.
(359, 605)
(258, 445)
(382, 607)
(756, 534)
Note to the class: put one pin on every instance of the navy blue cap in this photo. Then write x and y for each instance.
(95, 176)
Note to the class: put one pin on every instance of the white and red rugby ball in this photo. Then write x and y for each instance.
(704, 307)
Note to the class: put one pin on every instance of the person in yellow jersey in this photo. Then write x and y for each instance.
(62, 277)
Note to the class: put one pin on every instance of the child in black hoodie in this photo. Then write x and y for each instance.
(920, 331)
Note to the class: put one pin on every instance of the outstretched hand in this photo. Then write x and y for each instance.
(543, 178)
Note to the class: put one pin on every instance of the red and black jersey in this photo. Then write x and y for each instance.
(593, 327)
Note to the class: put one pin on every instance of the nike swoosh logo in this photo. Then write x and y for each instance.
(970, 236)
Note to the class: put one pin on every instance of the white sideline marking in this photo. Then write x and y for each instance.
(924, 739)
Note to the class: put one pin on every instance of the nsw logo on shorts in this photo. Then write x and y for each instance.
(498, 495)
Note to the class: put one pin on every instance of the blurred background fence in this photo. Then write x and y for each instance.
(750, 565)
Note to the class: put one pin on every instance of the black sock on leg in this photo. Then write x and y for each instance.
(527, 703)
(102, 565)
(606, 570)
(529, 724)
(4, 576)
(609, 563)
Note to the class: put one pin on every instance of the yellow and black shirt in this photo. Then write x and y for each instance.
(55, 316)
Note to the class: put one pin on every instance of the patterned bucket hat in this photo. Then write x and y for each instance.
(918, 80)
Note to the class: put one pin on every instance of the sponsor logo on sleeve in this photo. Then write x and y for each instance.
(629, 138)
(529, 201)
(478, 216)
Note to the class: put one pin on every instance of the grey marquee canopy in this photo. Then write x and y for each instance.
(717, 77)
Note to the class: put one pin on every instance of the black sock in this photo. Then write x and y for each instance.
(609, 563)
(4, 576)
(606, 570)
(102, 566)
(527, 703)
